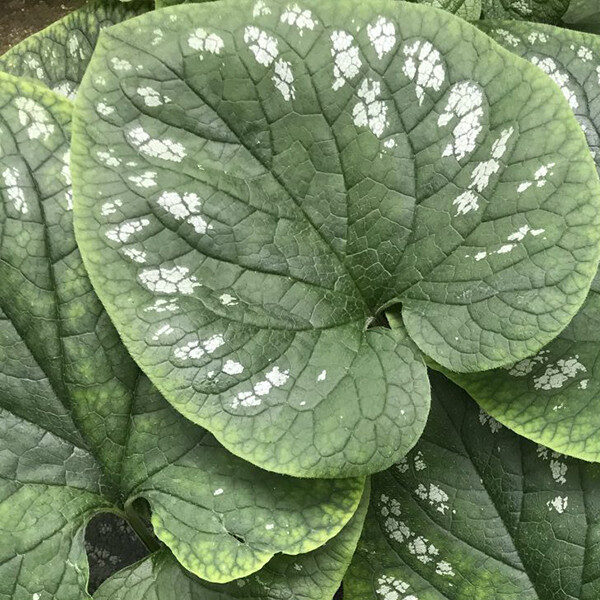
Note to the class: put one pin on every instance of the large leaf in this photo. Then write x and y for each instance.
(544, 11)
(278, 181)
(313, 576)
(58, 55)
(82, 430)
(554, 396)
(478, 512)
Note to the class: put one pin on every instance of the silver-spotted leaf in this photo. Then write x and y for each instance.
(313, 576)
(58, 55)
(475, 511)
(253, 190)
(553, 397)
(82, 430)
(544, 11)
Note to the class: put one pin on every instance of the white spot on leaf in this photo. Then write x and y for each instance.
(346, 58)
(262, 45)
(369, 111)
(165, 280)
(382, 35)
(423, 65)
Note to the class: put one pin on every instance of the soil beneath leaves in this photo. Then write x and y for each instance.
(21, 18)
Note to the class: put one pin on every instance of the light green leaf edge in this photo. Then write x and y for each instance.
(72, 399)
(553, 397)
(477, 512)
(313, 576)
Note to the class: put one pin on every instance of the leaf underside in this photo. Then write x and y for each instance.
(313, 576)
(478, 512)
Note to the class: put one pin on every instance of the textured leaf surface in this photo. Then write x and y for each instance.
(58, 55)
(583, 13)
(272, 180)
(554, 396)
(82, 430)
(313, 576)
(544, 11)
(478, 512)
(467, 9)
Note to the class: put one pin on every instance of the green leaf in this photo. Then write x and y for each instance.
(583, 14)
(478, 512)
(82, 430)
(277, 215)
(544, 11)
(551, 397)
(313, 576)
(59, 55)
(467, 9)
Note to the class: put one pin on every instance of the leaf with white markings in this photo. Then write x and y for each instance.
(475, 511)
(553, 397)
(83, 431)
(313, 576)
(58, 55)
(544, 11)
(256, 188)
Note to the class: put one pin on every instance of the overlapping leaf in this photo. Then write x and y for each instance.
(58, 56)
(313, 576)
(255, 184)
(553, 396)
(82, 430)
(544, 11)
(467, 9)
(478, 512)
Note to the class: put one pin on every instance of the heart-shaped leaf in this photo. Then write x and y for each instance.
(544, 11)
(59, 55)
(553, 396)
(279, 178)
(478, 512)
(313, 576)
(82, 430)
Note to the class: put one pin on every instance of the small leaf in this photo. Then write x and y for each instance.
(59, 55)
(82, 430)
(284, 177)
(475, 511)
(544, 11)
(313, 576)
(552, 397)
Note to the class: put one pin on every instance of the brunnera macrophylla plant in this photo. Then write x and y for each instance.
(256, 186)
(83, 431)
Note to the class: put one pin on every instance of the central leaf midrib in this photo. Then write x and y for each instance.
(491, 497)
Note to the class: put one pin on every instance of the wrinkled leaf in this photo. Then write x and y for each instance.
(478, 512)
(58, 55)
(583, 14)
(543, 11)
(82, 430)
(553, 397)
(269, 200)
(313, 576)
(467, 9)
